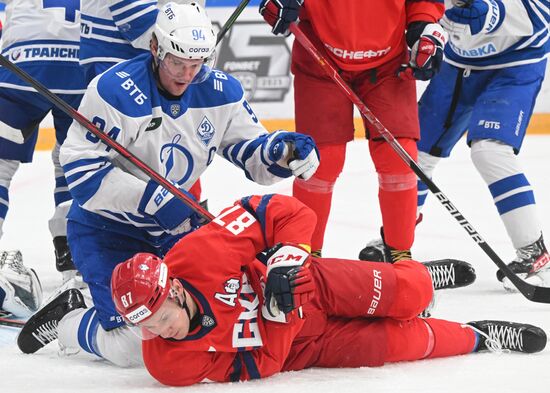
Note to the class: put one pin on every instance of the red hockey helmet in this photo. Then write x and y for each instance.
(139, 286)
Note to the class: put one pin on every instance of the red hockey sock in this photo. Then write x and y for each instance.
(397, 192)
(317, 191)
(426, 338)
(196, 189)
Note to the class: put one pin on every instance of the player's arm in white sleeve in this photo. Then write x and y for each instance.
(95, 183)
(266, 158)
(135, 20)
(510, 18)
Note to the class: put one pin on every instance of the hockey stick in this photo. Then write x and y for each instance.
(75, 115)
(8, 322)
(531, 292)
(242, 5)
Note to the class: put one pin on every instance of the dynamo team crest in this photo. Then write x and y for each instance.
(205, 131)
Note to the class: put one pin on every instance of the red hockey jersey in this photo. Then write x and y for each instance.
(217, 266)
(362, 34)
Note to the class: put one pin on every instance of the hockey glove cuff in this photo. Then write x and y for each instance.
(172, 214)
(294, 151)
(280, 14)
(289, 283)
(426, 51)
(478, 15)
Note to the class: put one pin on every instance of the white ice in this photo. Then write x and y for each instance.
(355, 219)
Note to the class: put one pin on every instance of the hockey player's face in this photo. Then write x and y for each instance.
(170, 321)
(176, 73)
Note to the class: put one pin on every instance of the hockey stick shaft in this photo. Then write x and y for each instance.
(231, 20)
(11, 323)
(531, 292)
(74, 114)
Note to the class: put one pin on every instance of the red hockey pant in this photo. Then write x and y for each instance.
(364, 314)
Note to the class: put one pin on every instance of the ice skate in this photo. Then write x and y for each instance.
(41, 328)
(450, 273)
(497, 336)
(531, 263)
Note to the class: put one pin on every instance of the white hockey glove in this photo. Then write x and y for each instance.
(23, 292)
(289, 283)
(296, 152)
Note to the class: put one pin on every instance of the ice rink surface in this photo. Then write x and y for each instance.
(355, 219)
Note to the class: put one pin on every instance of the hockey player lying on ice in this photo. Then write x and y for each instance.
(213, 312)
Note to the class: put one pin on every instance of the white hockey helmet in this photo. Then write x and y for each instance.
(185, 31)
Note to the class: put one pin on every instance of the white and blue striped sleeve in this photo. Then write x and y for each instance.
(135, 20)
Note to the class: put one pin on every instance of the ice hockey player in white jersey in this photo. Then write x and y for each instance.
(42, 38)
(115, 30)
(495, 62)
(175, 113)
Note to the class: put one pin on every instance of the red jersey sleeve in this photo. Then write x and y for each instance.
(425, 10)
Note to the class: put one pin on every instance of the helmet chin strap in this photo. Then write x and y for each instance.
(193, 322)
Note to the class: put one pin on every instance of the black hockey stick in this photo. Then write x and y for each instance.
(74, 114)
(231, 20)
(531, 292)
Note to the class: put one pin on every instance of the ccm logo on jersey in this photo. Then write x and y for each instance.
(130, 86)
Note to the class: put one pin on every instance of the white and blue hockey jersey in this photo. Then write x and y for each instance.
(176, 137)
(42, 37)
(116, 30)
(520, 37)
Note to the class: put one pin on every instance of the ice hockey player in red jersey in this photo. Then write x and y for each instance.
(368, 42)
(218, 309)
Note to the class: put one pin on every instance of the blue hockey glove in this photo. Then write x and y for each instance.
(427, 41)
(479, 15)
(280, 14)
(289, 283)
(294, 151)
(172, 214)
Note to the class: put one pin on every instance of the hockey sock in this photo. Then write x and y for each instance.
(397, 192)
(316, 192)
(7, 170)
(81, 328)
(427, 163)
(512, 194)
(426, 338)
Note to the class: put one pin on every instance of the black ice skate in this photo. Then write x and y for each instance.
(450, 273)
(377, 251)
(530, 260)
(502, 335)
(41, 328)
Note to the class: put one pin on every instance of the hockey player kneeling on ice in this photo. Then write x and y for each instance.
(241, 298)
(20, 289)
(175, 113)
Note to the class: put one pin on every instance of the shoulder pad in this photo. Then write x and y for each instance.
(127, 86)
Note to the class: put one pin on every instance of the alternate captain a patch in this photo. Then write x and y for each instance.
(205, 131)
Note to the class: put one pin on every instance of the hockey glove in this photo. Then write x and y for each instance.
(478, 15)
(172, 214)
(280, 14)
(426, 41)
(20, 288)
(289, 283)
(296, 152)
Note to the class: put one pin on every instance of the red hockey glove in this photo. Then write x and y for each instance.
(280, 14)
(289, 282)
(426, 51)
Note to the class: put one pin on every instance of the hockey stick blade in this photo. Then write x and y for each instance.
(531, 292)
(13, 323)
